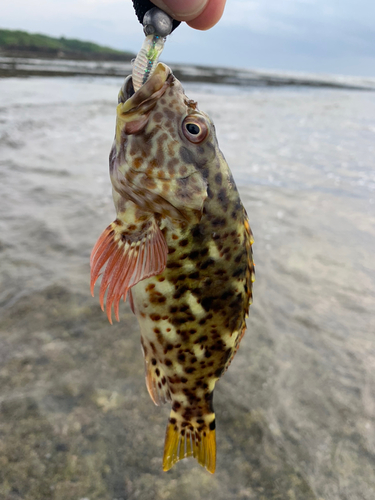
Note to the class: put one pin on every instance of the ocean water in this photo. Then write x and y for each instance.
(296, 411)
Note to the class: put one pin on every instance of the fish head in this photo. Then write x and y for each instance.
(159, 123)
(161, 135)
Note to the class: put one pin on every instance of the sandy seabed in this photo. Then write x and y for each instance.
(296, 411)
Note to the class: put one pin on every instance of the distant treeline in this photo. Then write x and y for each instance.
(27, 44)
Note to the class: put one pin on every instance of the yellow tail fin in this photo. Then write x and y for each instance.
(182, 443)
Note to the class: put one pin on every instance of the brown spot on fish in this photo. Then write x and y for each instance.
(208, 262)
(223, 198)
(201, 339)
(194, 275)
(173, 265)
(170, 114)
(219, 222)
(158, 116)
(180, 292)
(155, 317)
(194, 255)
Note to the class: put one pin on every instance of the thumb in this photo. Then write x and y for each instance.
(182, 10)
(199, 14)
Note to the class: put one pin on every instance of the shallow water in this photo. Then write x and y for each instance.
(296, 410)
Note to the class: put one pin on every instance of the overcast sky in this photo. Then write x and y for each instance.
(321, 36)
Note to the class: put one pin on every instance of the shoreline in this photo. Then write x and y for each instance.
(42, 65)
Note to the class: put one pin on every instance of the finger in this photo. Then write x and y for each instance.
(210, 16)
(183, 10)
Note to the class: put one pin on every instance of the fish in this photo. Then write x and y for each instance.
(180, 250)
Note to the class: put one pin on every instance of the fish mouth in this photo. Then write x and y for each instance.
(134, 108)
(149, 92)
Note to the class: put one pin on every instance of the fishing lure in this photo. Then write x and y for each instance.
(157, 25)
(147, 60)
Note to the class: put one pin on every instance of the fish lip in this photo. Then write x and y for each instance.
(131, 100)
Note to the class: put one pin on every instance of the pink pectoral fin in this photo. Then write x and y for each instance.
(129, 258)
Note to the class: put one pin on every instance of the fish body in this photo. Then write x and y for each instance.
(180, 248)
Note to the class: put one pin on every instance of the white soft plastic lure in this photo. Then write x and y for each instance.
(147, 60)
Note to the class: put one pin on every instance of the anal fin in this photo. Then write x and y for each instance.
(156, 383)
(129, 257)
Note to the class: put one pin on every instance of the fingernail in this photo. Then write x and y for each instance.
(183, 10)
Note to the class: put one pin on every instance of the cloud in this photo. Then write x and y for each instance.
(301, 17)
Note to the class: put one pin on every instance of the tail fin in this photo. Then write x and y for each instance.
(195, 440)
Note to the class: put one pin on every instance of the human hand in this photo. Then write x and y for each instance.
(199, 14)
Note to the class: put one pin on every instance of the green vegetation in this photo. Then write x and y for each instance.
(21, 41)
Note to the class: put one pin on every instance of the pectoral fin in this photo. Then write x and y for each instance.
(129, 257)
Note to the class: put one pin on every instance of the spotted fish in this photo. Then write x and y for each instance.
(180, 250)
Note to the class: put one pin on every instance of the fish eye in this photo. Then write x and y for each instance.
(195, 129)
(192, 128)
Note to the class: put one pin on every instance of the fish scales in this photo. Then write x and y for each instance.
(180, 248)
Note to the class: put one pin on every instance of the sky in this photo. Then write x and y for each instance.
(312, 36)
